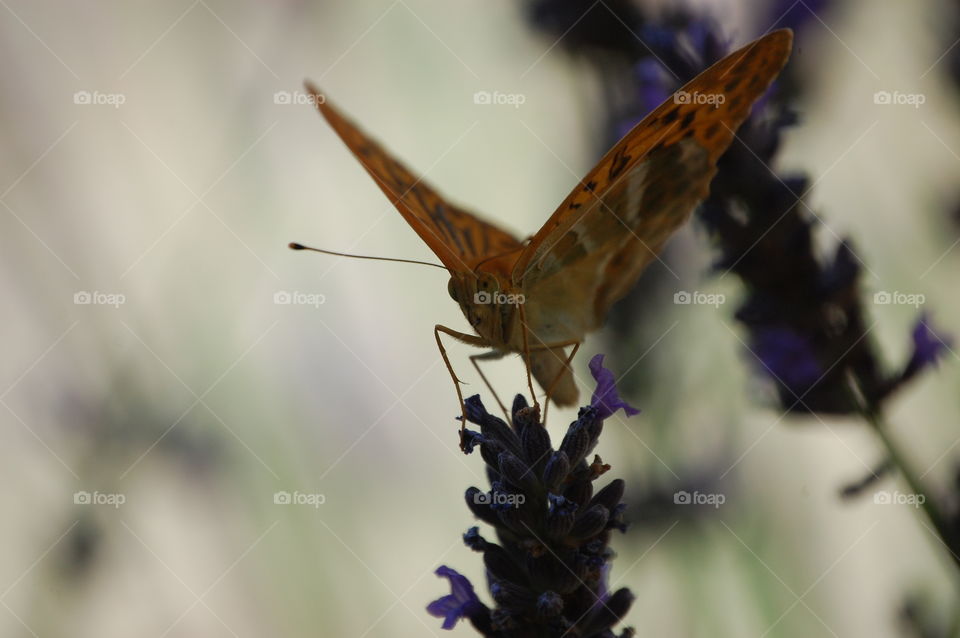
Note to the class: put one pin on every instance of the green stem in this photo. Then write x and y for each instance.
(903, 466)
(933, 512)
(872, 415)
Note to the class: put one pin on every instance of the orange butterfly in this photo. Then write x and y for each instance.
(538, 297)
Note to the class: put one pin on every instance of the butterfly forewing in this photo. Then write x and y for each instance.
(458, 238)
(643, 189)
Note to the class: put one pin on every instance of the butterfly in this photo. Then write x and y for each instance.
(539, 296)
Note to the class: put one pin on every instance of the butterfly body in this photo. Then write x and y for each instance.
(539, 296)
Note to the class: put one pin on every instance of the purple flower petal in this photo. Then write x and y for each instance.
(928, 345)
(459, 603)
(606, 399)
(787, 356)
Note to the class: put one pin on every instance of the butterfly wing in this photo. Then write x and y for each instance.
(458, 238)
(594, 247)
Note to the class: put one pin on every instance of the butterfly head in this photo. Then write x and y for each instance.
(486, 303)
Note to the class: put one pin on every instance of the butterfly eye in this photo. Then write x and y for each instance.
(452, 289)
(487, 283)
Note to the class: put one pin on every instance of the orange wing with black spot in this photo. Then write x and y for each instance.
(459, 239)
(594, 247)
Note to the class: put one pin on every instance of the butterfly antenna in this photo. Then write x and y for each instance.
(296, 246)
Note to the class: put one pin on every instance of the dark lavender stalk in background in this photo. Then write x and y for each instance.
(807, 330)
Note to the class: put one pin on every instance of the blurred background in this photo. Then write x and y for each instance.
(171, 370)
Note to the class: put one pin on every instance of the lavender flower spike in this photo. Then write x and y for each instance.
(606, 399)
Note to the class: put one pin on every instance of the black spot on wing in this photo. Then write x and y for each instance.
(620, 160)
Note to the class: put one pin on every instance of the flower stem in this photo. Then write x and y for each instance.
(873, 416)
(913, 482)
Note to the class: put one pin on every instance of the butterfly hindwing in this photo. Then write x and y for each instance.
(593, 264)
(458, 238)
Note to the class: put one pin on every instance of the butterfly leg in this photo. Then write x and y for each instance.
(556, 379)
(468, 339)
(526, 357)
(487, 356)
(551, 367)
